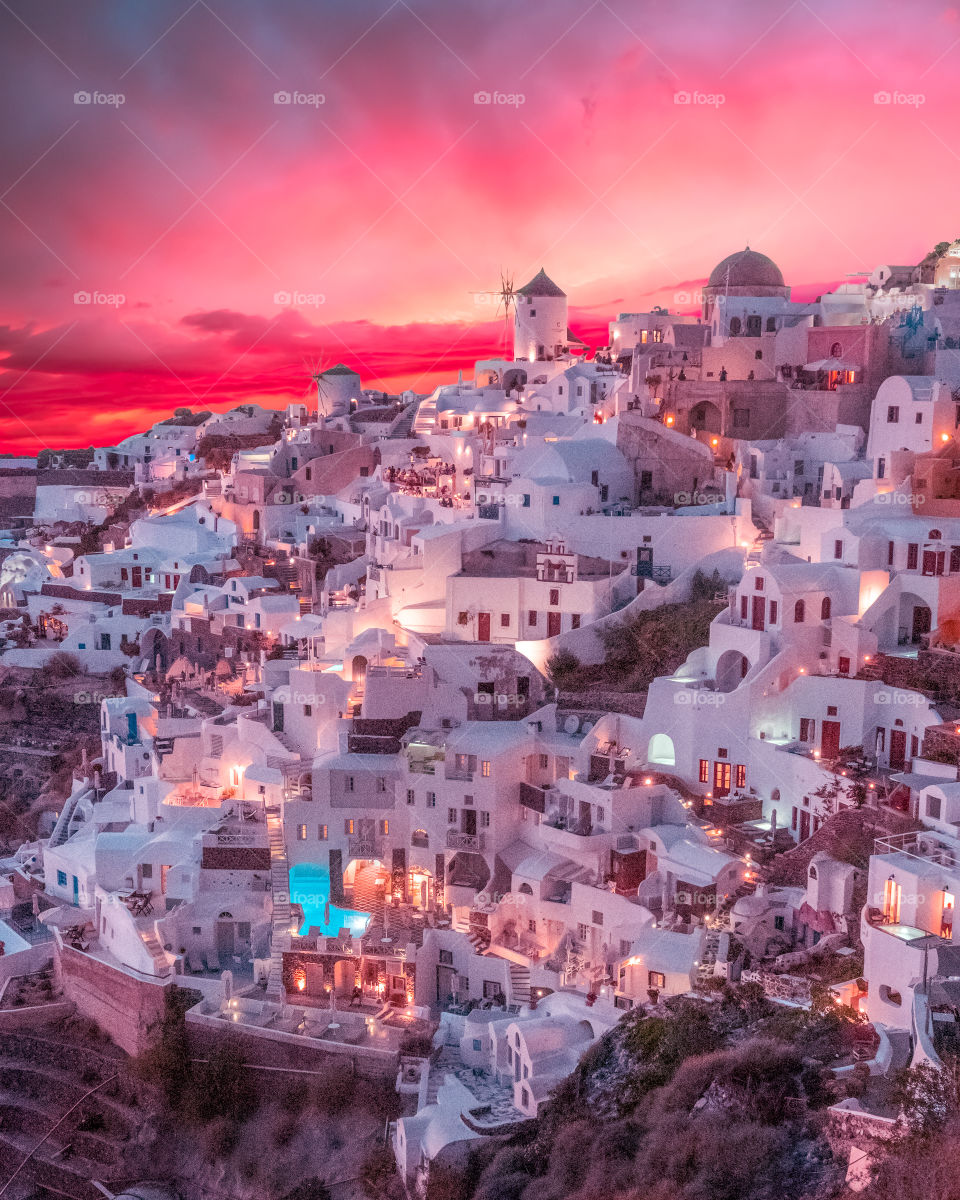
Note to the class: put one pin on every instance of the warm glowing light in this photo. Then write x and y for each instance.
(671, 419)
(714, 441)
(944, 437)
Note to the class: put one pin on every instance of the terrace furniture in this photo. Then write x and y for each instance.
(213, 962)
(194, 961)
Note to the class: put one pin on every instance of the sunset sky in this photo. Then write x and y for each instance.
(187, 207)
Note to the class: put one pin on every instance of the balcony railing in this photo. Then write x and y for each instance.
(366, 847)
(464, 841)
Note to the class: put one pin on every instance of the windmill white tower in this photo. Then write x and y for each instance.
(336, 387)
(540, 329)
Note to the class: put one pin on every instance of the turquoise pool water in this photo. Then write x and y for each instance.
(310, 888)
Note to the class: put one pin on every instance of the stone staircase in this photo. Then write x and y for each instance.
(480, 941)
(709, 958)
(157, 952)
(519, 984)
(280, 887)
(61, 831)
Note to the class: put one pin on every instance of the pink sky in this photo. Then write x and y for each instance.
(199, 198)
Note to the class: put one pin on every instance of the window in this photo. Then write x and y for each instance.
(485, 768)
(743, 608)
(385, 828)
(831, 710)
(793, 819)
(146, 870)
(758, 584)
(532, 617)
(596, 917)
(61, 879)
(893, 414)
(348, 783)
(741, 418)
(838, 549)
(504, 620)
(431, 799)
(646, 480)
(451, 816)
(554, 597)
(889, 554)
(468, 801)
(301, 833)
(891, 901)
(322, 833)
(913, 554)
(954, 558)
(721, 752)
(825, 609)
(348, 827)
(526, 500)
(933, 807)
(799, 610)
(704, 770)
(740, 779)
(656, 979)
(583, 932)
(807, 729)
(556, 500)
(446, 958)
(484, 820)
(574, 620)
(773, 612)
(843, 665)
(411, 796)
(381, 784)
(308, 710)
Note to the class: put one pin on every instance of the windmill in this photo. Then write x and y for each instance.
(316, 370)
(505, 296)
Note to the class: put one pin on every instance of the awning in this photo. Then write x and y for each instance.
(831, 364)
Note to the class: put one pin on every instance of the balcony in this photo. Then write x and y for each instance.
(365, 847)
(464, 841)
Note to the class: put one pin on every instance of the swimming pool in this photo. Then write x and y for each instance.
(310, 888)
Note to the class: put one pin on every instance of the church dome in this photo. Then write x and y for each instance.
(746, 269)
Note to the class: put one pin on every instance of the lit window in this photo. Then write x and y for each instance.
(348, 827)
(485, 768)
(301, 833)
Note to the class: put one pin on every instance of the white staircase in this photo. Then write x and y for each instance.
(519, 984)
(157, 952)
(61, 831)
(280, 887)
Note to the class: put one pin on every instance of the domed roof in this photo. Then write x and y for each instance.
(746, 268)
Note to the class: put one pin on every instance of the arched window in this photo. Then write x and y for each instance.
(799, 612)
(734, 326)
(825, 609)
(526, 889)
(812, 872)
(836, 350)
(934, 535)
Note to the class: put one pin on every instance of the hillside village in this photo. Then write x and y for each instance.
(465, 741)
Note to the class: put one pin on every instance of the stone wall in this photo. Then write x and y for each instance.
(125, 1008)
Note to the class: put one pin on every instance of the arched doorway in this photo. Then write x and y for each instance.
(705, 417)
(358, 669)
(914, 620)
(732, 666)
(661, 750)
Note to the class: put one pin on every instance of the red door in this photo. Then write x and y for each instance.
(898, 749)
(830, 739)
(804, 826)
(759, 606)
(553, 624)
(721, 778)
(483, 627)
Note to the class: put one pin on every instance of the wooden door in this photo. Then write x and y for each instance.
(898, 749)
(553, 624)
(921, 621)
(483, 627)
(830, 739)
(759, 605)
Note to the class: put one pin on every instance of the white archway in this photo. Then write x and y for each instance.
(661, 750)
